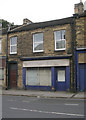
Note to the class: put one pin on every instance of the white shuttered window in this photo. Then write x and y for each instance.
(38, 76)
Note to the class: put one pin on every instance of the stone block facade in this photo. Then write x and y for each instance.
(73, 54)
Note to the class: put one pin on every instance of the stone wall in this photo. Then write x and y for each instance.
(82, 57)
(80, 32)
(25, 42)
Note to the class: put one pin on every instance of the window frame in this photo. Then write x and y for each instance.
(59, 49)
(13, 45)
(37, 42)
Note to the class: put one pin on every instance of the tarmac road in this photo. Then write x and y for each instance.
(37, 107)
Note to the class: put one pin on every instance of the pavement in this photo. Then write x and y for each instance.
(45, 94)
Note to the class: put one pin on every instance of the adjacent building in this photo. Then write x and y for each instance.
(3, 37)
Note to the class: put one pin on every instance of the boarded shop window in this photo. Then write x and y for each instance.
(13, 45)
(1, 74)
(0, 45)
(38, 76)
(32, 76)
(45, 76)
(61, 75)
(38, 42)
(60, 42)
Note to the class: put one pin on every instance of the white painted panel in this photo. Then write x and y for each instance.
(46, 63)
(38, 76)
(32, 77)
(61, 75)
(45, 76)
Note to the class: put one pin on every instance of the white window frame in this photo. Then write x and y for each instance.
(59, 40)
(13, 46)
(36, 42)
(0, 45)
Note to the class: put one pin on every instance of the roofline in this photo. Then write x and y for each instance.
(37, 25)
(33, 26)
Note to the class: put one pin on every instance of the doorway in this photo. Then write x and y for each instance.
(13, 75)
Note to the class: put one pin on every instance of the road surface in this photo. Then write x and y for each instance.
(36, 107)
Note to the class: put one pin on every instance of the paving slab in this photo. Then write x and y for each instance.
(45, 94)
(38, 93)
(80, 95)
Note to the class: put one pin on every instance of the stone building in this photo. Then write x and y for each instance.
(48, 55)
(3, 37)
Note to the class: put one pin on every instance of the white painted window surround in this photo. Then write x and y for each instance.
(38, 42)
(60, 41)
(13, 45)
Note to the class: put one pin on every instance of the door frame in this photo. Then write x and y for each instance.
(9, 63)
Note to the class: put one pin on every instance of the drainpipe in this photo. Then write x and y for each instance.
(7, 62)
(73, 45)
(75, 53)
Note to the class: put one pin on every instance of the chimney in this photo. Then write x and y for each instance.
(26, 21)
(79, 8)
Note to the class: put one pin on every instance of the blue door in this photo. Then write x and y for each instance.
(61, 79)
(82, 77)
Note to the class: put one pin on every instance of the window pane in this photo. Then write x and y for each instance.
(38, 37)
(13, 40)
(63, 43)
(63, 34)
(58, 44)
(38, 46)
(61, 75)
(58, 35)
(13, 48)
(38, 41)
(45, 76)
(32, 76)
(13, 45)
